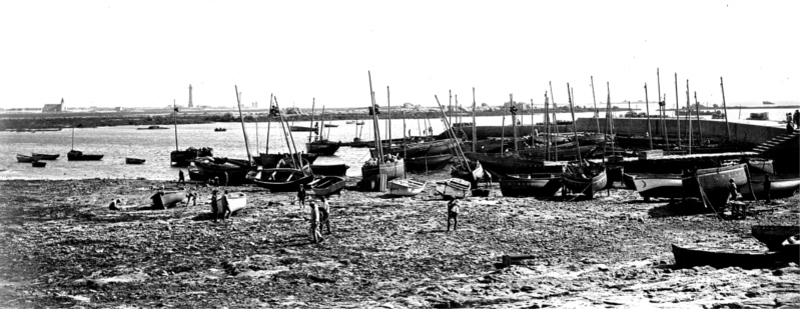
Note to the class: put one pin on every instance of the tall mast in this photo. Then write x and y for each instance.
(596, 111)
(389, 111)
(662, 105)
(513, 119)
(73, 138)
(311, 125)
(377, 132)
(699, 124)
(450, 106)
(546, 126)
(555, 110)
(689, 116)
(725, 108)
(286, 133)
(174, 121)
(647, 105)
(677, 108)
(269, 124)
(474, 123)
(241, 119)
(574, 127)
(533, 127)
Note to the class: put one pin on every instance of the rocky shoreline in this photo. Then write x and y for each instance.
(63, 247)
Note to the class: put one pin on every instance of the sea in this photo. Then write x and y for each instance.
(117, 143)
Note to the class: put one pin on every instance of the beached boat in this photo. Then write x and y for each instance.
(780, 187)
(166, 199)
(270, 160)
(774, 235)
(302, 129)
(234, 169)
(234, 200)
(42, 156)
(392, 169)
(587, 178)
(24, 159)
(509, 163)
(323, 147)
(328, 185)
(280, 179)
(428, 163)
(438, 147)
(330, 170)
(469, 171)
(134, 161)
(186, 157)
(74, 155)
(406, 187)
(564, 153)
(408, 151)
(195, 175)
(153, 128)
(593, 138)
(538, 185)
(453, 188)
(712, 183)
(694, 255)
(659, 185)
(38, 164)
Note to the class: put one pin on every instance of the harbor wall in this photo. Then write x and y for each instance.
(754, 133)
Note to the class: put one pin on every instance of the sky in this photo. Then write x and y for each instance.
(147, 53)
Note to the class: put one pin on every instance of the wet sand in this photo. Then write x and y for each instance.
(63, 247)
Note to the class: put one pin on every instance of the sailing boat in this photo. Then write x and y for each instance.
(75, 155)
(583, 176)
(232, 170)
(321, 145)
(185, 157)
(380, 165)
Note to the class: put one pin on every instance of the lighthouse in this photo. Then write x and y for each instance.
(190, 96)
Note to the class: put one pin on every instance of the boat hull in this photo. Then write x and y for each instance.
(24, 159)
(585, 186)
(167, 199)
(38, 164)
(774, 235)
(41, 156)
(330, 170)
(453, 188)
(328, 185)
(714, 183)
(270, 160)
(186, 157)
(235, 169)
(780, 188)
(536, 185)
(690, 256)
(235, 201)
(280, 179)
(659, 186)
(392, 170)
(406, 187)
(134, 161)
(80, 156)
(428, 163)
(324, 148)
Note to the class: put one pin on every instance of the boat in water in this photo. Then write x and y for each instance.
(75, 155)
(134, 161)
(153, 128)
(537, 185)
(42, 156)
(38, 164)
(302, 129)
(406, 187)
(24, 159)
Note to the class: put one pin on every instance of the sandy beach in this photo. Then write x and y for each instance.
(62, 247)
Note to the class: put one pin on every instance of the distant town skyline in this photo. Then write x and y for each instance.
(145, 54)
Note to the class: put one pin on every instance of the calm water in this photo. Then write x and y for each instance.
(117, 143)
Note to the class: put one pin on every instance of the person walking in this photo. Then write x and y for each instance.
(324, 214)
(797, 119)
(301, 196)
(214, 203)
(223, 201)
(768, 188)
(181, 179)
(452, 213)
(313, 229)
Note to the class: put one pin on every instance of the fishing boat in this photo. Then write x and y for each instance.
(554, 139)
(780, 187)
(302, 129)
(330, 169)
(153, 128)
(391, 168)
(38, 164)
(220, 129)
(774, 235)
(186, 157)
(510, 163)
(167, 199)
(359, 123)
(441, 146)
(406, 187)
(469, 171)
(235, 201)
(711, 184)
(24, 158)
(593, 138)
(279, 179)
(407, 151)
(195, 175)
(74, 155)
(564, 153)
(323, 147)
(42, 156)
(234, 169)
(428, 163)
(328, 185)
(538, 185)
(328, 125)
(658, 185)
(134, 161)
(694, 255)
(453, 188)
(587, 178)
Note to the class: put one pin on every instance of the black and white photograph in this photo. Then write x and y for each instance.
(399, 154)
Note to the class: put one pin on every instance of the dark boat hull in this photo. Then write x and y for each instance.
(134, 161)
(330, 170)
(537, 185)
(586, 186)
(501, 165)
(780, 188)
(392, 170)
(24, 159)
(234, 169)
(41, 156)
(80, 156)
(324, 148)
(166, 199)
(270, 160)
(690, 256)
(280, 179)
(186, 157)
(714, 183)
(774, 235)
(428, 163)
(38, 164)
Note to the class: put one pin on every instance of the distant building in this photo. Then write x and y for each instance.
(191, 105)
(53, 108)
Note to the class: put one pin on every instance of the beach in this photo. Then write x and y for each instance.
(63, 247)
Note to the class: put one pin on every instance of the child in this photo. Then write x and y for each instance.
(452, 213)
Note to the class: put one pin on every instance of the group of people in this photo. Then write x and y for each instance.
(793, 121)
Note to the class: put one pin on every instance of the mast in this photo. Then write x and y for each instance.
(647, 105)
(269, 124)
(322, 124)
(555, 110)
(574, 127)
(725, 108)
(513, 110)
(174, 121)
(662, 105)
(73, 138)
(533, 127)
(311, 125)
(389, 111)
(503, 133)
(699, 124)
(296, 159)
(596, 111)
(450, 107)
(452, 135)
(546, 126)
(677, 117)
(377, 132)
(241, 119)
(474, 124)
(689, 116)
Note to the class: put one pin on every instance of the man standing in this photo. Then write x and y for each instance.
(226, 212)
(214, 203)
(181, 179)
(313, 229)
(452, 213)
(767, 188)
(301, 196)
(325, 214)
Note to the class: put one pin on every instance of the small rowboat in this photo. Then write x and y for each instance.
(24, 158)
(234, 200)
(41, 156)
(166, 199)
(331, 125)
(453, 188)
(406, 187)
(774, 235)
(74, 155)
(38, 164)
(541, 185)
(652, 185)
(328, 185)
(693, 255)
(585, 179)
(280, 179)
(134, 161)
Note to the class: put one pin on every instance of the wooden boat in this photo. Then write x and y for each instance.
(614, 172)
(186, 157)
(428, 163)
(760, 166)
(780, 188)
(270, 160)
(453, 188)
(564, 153)
(501, 165)
(409, 151)
(659, 185)
(539, 185)
(134, 161)
(323, 147)
(166, 199)
(330, 170)
(441, 146)
(593, 138)
(349, 122)
(24, 158)
(472, 172)
(359, 123)
(328, 185)
(235, 169)
(328, 125)
(280, 179)
(392, 169)
(406, 187)
(220, 129)
(74, 155)
(713, 183)
(302, 129)
(774, 235)
(586, 179)
(554, 139)
(41, 156)
(693, 255)
(38, 164)
(195, 175)
(235, 201)
(153, 128)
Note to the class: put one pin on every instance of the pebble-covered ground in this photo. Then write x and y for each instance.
(62, 247)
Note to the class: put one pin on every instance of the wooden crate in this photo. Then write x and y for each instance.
(650, 154)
